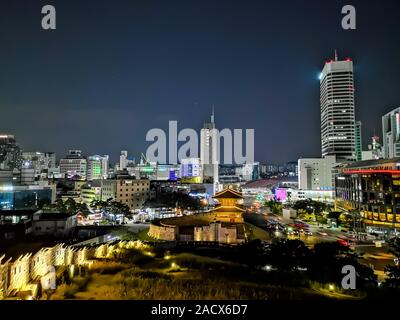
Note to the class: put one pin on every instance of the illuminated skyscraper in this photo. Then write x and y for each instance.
(337, 110)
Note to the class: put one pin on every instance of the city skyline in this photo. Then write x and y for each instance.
(85, 73)
(196, 156)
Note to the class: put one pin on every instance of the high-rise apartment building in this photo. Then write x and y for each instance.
(337, 110)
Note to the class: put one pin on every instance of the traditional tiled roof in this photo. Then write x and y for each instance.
(228, 209)
(228, 194)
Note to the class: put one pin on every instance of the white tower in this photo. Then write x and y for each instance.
(209, 152)
(123, 160)
(337, 110)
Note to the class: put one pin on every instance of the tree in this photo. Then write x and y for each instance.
(393, 271)
(71, 205)
(328, 259)
(275, 206)
(288, 255)
(174, 200)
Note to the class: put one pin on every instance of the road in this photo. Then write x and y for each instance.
(377, 258)
(261, 220)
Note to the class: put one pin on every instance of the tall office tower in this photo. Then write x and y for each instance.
(358, 137)
(209, 152)
(337, 110)
(123, 160)
(391, 134)
(10, 153)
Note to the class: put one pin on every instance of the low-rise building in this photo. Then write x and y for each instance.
(132, 192)
(317, 173)
(91, 191)
(53, 224)
(73, 165)
(25, 197)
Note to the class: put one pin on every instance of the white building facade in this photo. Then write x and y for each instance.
(391, 134)
(337, 110)
(316, 173)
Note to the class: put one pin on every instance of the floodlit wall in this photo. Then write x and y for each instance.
(3, 276)
(20, 274)
(162, 232)
(216, 232)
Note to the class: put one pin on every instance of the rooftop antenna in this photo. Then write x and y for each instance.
(212, 114)
(336, 56)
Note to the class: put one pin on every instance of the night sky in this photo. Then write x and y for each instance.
(115, 69)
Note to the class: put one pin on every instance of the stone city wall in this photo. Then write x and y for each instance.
(162, 232)
(21, 274)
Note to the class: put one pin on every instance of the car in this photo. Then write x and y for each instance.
(307, 233)
(321, 233)
(343, 242)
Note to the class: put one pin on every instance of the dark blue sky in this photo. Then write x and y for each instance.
(115, 69)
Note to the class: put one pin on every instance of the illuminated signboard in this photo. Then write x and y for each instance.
(280, 194)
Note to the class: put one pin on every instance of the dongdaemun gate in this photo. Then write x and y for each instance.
(223, 224)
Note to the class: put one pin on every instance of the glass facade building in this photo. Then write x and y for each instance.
(18, 198)
(373, 188)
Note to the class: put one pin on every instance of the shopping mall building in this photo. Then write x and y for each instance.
(371, 187)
